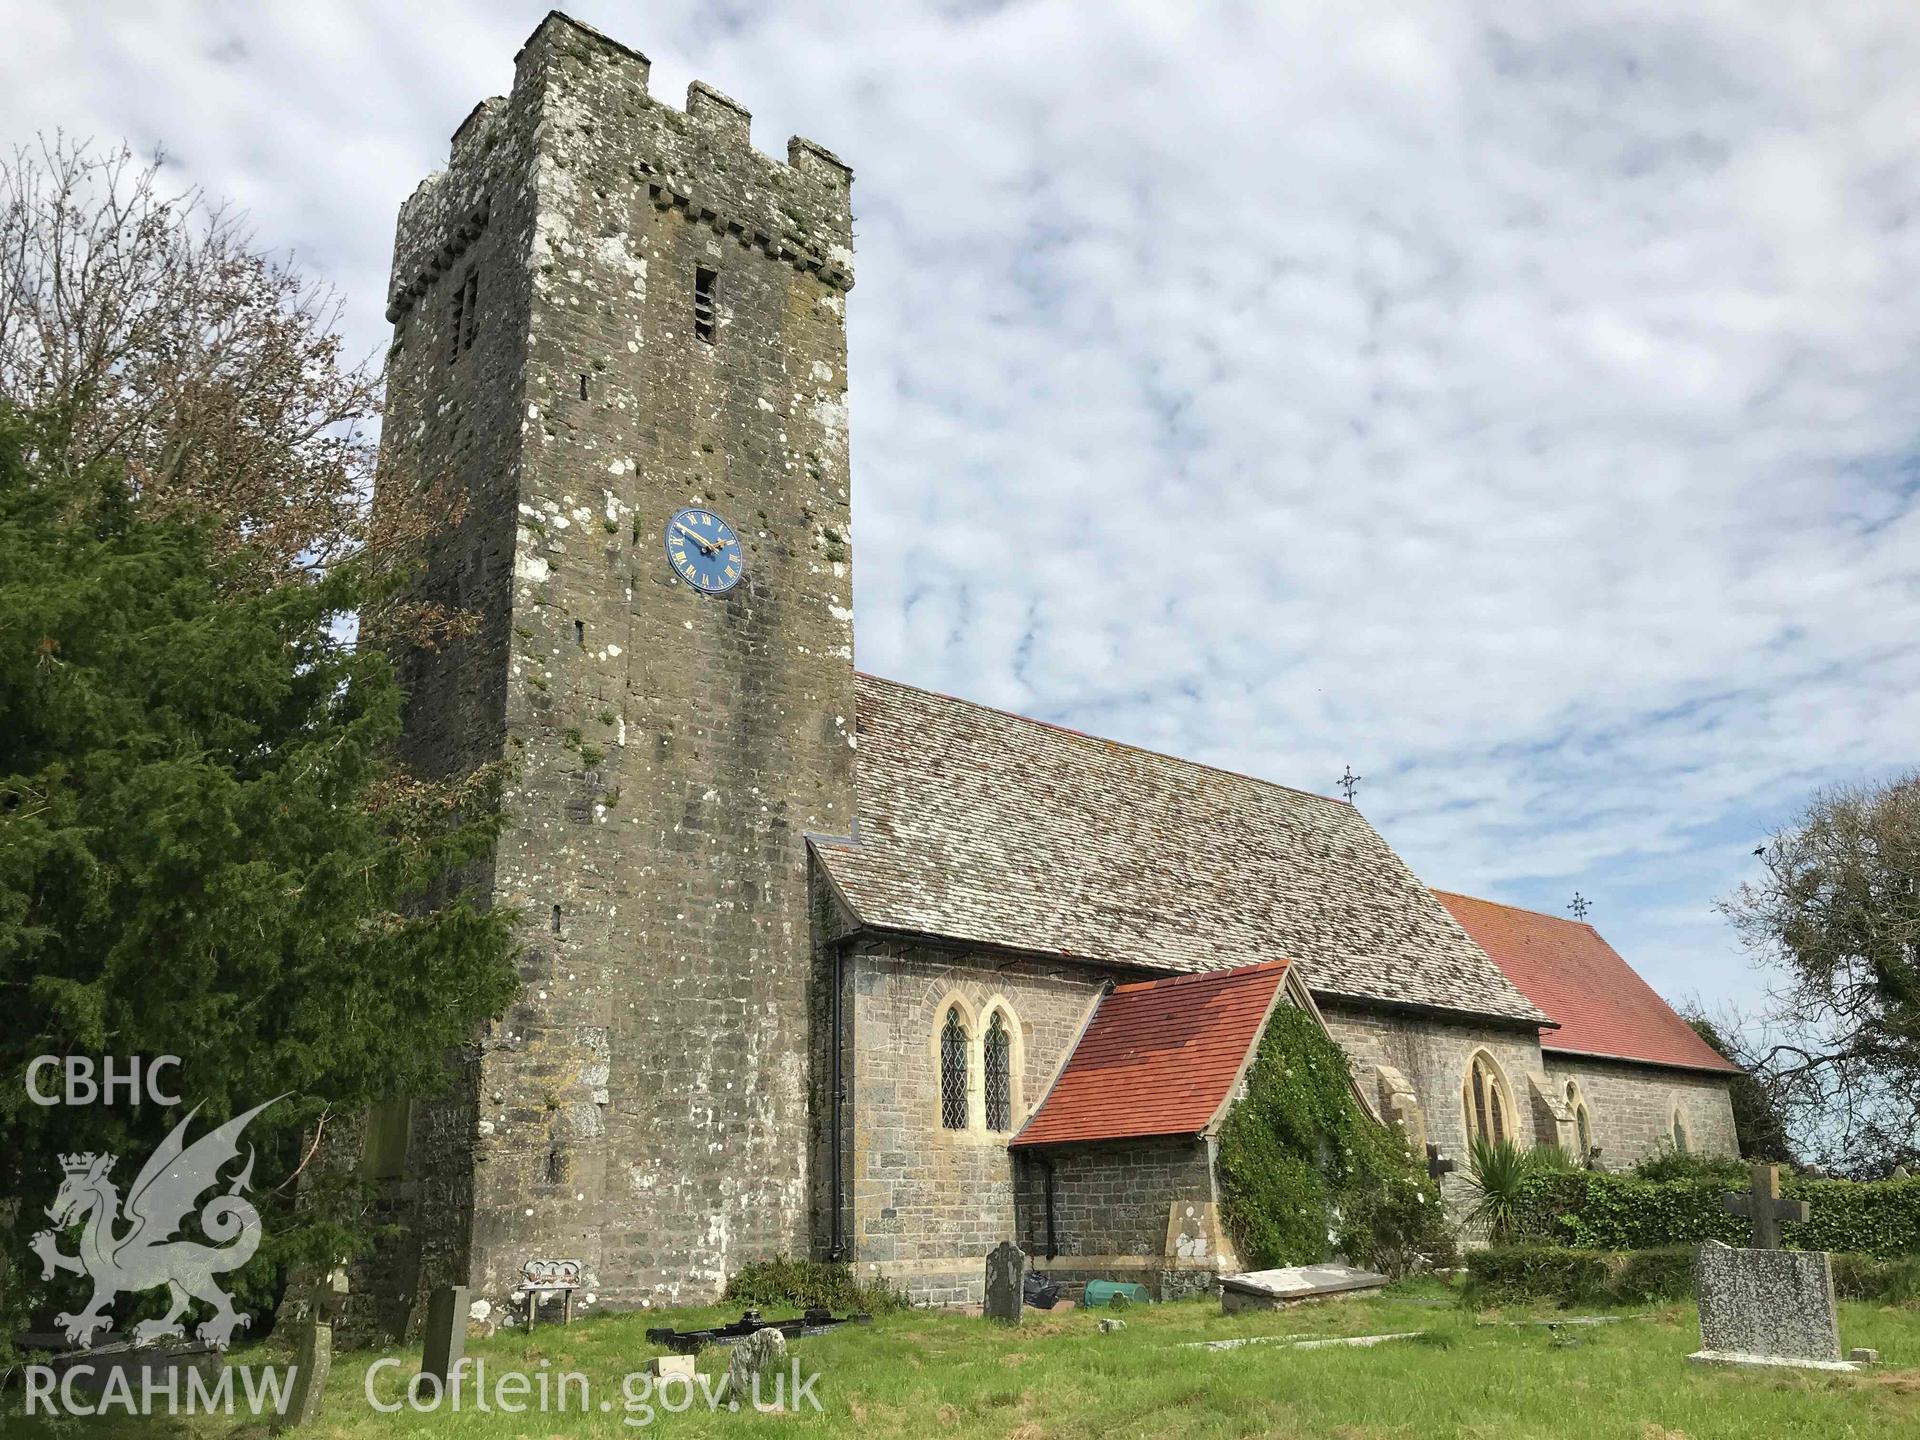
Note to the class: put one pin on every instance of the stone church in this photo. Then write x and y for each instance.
(816, 963)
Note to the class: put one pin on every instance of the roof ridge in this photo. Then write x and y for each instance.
(1520, 909)
(1088, 735)
(1223, 972)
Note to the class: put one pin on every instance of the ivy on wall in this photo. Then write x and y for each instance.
(1306, 1173)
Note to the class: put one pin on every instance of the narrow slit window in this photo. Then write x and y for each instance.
(953, 1072)
(556, 919)
(462, 315)
(583, 387)
(470, 322)
(580, 633)
(704, 281)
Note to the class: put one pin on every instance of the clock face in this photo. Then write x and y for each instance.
(704, 551)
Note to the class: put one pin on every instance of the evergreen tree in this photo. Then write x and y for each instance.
(206, 851)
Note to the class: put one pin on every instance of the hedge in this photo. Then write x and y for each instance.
(1638, 1277)
(1597, 1211)
(1591, 1277)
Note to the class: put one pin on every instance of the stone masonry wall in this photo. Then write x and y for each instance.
(1111, 1206)
(1433, 1054)
(928, 1203)
(644, 1107)
(1631, 1107)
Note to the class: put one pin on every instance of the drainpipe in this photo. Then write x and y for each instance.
(1053, 1248)
(837, 1249)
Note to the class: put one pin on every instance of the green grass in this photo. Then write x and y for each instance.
(922, 1373)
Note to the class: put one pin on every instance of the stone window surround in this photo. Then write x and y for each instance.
(1583, 1131)
(974, 1022)
(1509, 1112)
(1679, 1132)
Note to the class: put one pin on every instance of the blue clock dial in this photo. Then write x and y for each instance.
(704, 551)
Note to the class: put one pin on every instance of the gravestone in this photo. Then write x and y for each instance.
(446, 1334)
(1763, 1207)
(1766, 1307)
(1294, 1285)
(313, 1351)
(1006, 1277)
(761, 1353)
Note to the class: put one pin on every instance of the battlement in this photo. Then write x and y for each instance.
(716, 115)
(581, 100)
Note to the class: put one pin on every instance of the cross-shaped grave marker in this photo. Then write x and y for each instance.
(1762, 1205)
(325, 1297)
(1438, 1164)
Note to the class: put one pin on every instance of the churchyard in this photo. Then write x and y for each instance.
(1516, 1371)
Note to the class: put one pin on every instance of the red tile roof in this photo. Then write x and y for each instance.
(1565, 968)
(1158, 1058)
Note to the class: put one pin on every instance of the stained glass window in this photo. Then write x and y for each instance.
(953, 1072)
(999, 1075)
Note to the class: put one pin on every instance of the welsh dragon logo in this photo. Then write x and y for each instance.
(147, 1254)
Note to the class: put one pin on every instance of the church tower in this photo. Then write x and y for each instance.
(609, 313)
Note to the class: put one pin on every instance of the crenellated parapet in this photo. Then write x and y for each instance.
(577, 91)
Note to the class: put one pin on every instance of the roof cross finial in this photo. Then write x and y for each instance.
(1349, 783)
(1580, 906)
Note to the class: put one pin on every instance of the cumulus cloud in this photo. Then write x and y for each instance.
(1514, 403)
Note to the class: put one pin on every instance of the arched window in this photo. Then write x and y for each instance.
(953, 1072)
(1489, 1112)
(1582, 1122)
(999, 1066)
(1682, 1142)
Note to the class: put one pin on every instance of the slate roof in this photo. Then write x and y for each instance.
(985, 827)
(1159, 1057)
(1569, 971)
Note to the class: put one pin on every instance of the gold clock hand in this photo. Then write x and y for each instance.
(707, 547)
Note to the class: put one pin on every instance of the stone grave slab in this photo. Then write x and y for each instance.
(1294, 1285)
(1766, 1307)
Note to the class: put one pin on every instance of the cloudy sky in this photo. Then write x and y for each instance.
(1515, 403)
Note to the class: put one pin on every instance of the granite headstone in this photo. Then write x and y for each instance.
(1766, 1307)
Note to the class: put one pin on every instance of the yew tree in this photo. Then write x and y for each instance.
(207, 847)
